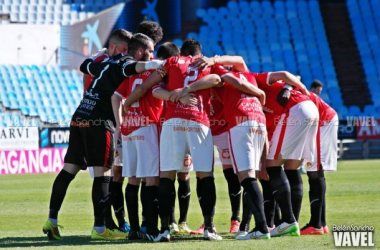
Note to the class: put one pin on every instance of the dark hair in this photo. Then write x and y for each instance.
(316, 84)
(138, 41)
(151, 29)
(167, 50)
(191, 47)
(120, 35)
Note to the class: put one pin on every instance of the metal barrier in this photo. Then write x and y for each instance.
(358, 149)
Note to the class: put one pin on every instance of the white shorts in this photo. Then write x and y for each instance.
(180, 137)
(246, 143)
(328, 147)
(187, 164)
(221, 144)
(140, 153)
(295, 135)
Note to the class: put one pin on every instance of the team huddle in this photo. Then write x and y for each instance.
(156, 120)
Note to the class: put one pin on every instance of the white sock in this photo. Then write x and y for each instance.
(54, 221)
(100, 230)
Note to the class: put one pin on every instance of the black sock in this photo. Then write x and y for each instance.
(296, 191)
(152, 210)
(269, 202)
(277, 214)
(118, 201)
(58, 193)
(100, 198)
(172, 200)
(255, 202)
(234, 192)
(198, 190)
(184, 199)
(132, 201)
(281, 192)
(247, 215)
(208, 200)
(323, 216)
(143, 200)
(316, 194)
(110, 223)
(165, 190)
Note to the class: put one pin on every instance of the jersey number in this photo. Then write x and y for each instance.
(192, 77)
(136, 82)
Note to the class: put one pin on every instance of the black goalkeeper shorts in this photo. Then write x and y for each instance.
(90, 147)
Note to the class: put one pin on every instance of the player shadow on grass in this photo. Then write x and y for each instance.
(10, 242)
(13, 242)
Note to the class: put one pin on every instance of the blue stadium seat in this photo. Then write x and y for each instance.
(32, 88)
(369, 110)
(354, 110)
(364, 18)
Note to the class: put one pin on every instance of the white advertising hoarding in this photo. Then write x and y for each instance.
(19, 138)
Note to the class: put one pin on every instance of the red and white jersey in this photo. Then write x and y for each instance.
(180, 74)
(143, 112)
(326, 113)
(218, 124)
(89, 78)
(239, 107)
(271, 92)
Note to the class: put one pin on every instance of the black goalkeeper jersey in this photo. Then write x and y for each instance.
(95, 109)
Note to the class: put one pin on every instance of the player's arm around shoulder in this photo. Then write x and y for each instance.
(237, 62)
(163, 94)
(289, 78)
(243, 85)
(129, 66)
(140, 90)
(144, 66)
(206, 82)
(90, 66)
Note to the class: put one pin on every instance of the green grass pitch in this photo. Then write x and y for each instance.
(353, 197)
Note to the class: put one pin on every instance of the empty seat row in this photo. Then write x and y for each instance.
(268, 41)
(47, 92)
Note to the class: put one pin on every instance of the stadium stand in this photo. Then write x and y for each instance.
(365, 20)
(48, 92)
(270, 35)
(52, 11)
(345, 54)
(277, 36)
